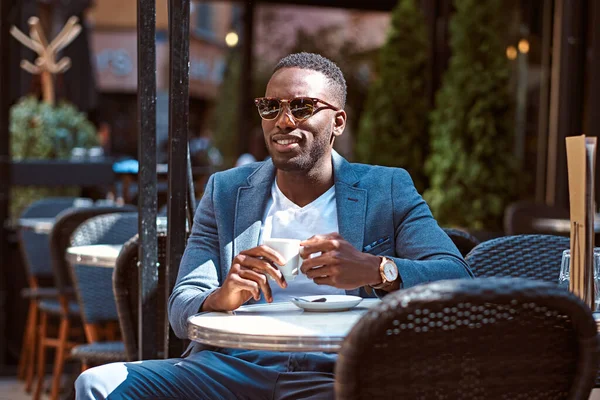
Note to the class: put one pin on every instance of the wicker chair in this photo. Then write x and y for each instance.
(126, 295)
(495, 338)
(93, 286)
(66, 308)
(463, 240)
(523, 256)
(519, 216)
(126, 290)
(35, 250)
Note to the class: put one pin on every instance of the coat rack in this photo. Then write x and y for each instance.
(46, 64)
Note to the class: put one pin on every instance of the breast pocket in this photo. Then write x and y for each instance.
(381, 246)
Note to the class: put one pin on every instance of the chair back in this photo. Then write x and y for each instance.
(60, 238)
(93, 285)
(35, 246)
(126, 293)
(519, 217)
(495, 338)
(463, 240)
(50, 207)
(524, 256)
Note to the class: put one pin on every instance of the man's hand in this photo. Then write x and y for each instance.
(339, 264)
(246, 279)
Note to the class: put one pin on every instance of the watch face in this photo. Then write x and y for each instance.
(390, 271)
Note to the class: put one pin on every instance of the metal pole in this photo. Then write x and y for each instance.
(5, 66)
(521, 102)
(147, 202)
(246, 81)
(179, 52)
(592, 124)
(191, 199)
(566, 93)
(543, 110)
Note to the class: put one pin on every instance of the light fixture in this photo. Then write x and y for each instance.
(232, 39)
(523, 46)
(511, 52)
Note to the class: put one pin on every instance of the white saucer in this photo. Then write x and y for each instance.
(334, 302)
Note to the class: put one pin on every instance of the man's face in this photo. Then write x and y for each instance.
(299, 145)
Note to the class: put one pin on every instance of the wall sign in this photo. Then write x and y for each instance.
(115, 55)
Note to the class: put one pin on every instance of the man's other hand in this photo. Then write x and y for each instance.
(339, 264)
(246, 279)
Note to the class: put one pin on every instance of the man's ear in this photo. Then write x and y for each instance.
(339, 123)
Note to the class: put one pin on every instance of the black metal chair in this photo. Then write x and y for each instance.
(35, 250)
(519, 217)
(524, 256)
(66, 307)
(126, 290)
(495, 338)
(463, 240)
(93, 287)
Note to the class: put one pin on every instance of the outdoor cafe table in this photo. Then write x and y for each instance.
(276, 327)
(45, 225)
(559, 225)
(97, 255)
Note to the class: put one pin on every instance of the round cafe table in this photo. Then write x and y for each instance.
(101, 255)
(558, 225)
(97, 255)
(276, 327)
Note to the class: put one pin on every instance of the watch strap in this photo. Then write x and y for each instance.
(384, 282)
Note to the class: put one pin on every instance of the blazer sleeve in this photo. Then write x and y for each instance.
(424, 252)
(199, 268)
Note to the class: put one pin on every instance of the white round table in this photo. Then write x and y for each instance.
(97, 255)
(276, 327)
(38, 225)
(559, 225)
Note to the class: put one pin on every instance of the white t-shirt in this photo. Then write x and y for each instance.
(285, 219)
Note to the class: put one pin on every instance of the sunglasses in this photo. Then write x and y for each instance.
(301, 108)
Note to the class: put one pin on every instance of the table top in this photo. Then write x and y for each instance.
(559, 225)
(45, 225)
(98, 255)
(38, 225)
(276, 327)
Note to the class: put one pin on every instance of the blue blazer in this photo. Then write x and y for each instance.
(379, 211)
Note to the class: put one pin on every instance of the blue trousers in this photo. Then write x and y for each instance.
(221, 374)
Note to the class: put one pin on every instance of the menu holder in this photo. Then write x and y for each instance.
(596, 315)
(581, 160)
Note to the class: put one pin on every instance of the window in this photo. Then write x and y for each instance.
(204, 20)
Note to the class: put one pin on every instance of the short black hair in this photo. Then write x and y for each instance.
(316, 62)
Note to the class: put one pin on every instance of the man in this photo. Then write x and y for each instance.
(364, 229)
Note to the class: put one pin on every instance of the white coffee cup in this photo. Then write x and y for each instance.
(290, 251)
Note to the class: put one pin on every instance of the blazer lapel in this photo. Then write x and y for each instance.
(249, 212)
(351, 205)
(351, 209)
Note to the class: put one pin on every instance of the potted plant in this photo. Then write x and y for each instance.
(43, 131)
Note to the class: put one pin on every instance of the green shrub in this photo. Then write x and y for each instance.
(42, 131)
(39, 130)
(471, 167)
(393, 126)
